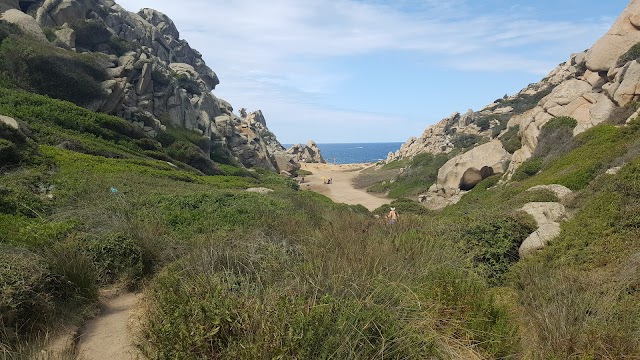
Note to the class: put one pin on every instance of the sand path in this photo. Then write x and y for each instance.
(341, 190)
(109, 336)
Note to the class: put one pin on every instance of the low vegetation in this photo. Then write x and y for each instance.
(85, 202)
(413, 177)
(632, 54)
(511, 139)
(45, 69)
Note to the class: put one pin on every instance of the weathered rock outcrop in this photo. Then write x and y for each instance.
(547, 215)
(25, 22)
(158, 80)
(624, 33)
(464, 171)
(309, 153)
(592, 87)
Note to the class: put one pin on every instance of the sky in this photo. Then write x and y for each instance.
(340, 71)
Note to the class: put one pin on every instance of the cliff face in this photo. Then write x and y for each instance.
(155, 79)
(595, 86)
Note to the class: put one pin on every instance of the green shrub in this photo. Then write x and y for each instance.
(26, 285)
(619, 115)
(524, 102)
(116, 257)
(529, 168)
(15, 146)
(484, 123)
(90, 33)
(495, 244)
(185, 82)
(590, 153)
(337, 328)
(560, 122)
(403, 206)
(421, 172)
(555, 138)
(55, 122)
(192, 155)
(50, 34)
(52, 71)
(632, 54)
(8, 29)
(148, 144)
(511, 140)
(502, 124)
(160, 80)
(69, 260)
(120, 46)
(190, 322)
(465, 141)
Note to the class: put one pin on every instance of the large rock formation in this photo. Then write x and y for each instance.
(592, 87)
(464, 171)
(158, 80)
(309, 153)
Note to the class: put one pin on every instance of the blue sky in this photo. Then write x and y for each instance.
(379, 71)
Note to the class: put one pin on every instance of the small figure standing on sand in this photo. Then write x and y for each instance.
(392, 216)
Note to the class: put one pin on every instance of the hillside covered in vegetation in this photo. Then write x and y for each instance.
(236, 274)
(237, 262)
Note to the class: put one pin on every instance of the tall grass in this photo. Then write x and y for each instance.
(353, 288)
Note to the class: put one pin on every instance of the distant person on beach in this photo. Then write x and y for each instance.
(392, 216)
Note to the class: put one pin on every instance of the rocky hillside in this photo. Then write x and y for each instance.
(145, 73)
(593, 87)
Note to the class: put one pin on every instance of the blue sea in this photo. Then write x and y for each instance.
(355, 152)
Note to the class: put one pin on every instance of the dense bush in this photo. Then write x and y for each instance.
(465, 141)
(403, 207)
(528, 169)
(484, 123)
(26, 288)
(590, 153)
(120, 46)
(192, 155)
(524, 102)
(495, 244)
(620, 115)
(511, 140)
(116, 257)
(632, 54)
(185, 82)
(160, 80)
(227, 300)
(51, 71)
(90, 33)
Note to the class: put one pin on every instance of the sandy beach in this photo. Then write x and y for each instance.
(341, 188)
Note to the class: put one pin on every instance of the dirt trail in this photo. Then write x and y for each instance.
(110, 335)
(341, 189)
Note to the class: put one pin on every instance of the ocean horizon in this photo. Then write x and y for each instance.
(352, 153)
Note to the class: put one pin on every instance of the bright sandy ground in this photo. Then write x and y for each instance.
(341, 189)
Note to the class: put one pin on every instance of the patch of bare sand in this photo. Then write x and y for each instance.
(341, 189)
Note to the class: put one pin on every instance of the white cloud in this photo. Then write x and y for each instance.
(268, 53)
